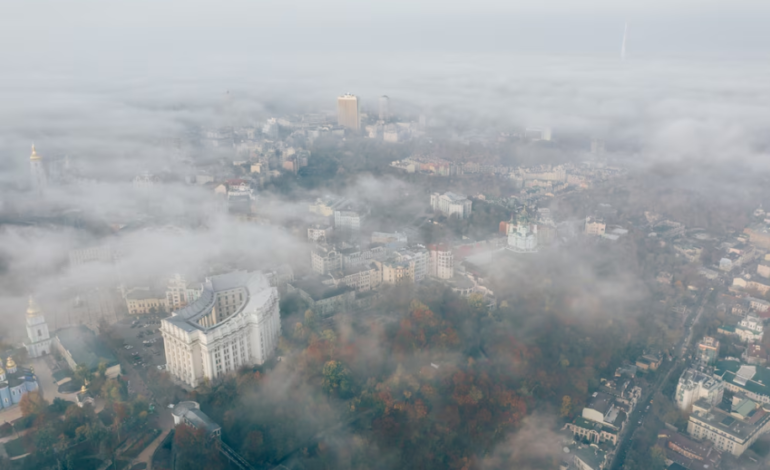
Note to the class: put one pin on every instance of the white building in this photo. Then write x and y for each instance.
(750, 329)
(37, 331)
(384, 107)
(235, 322)
(694, 385)
(347, 221)
(731, 430)
(450, 203)
(179, 293)
(441, 262)
(319, 232)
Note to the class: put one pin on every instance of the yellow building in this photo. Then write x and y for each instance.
(144, 301)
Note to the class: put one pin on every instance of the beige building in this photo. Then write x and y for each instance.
(441, 262)
(179, 293)
(733, 430)
(144, 301)
(595, 226)
(347, 112)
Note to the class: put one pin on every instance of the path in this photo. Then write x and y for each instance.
(166, 423)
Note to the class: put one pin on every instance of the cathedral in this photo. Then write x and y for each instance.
(14, 383)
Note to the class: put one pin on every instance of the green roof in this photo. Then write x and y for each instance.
(758, 384)
(728, 328)
(85, 347)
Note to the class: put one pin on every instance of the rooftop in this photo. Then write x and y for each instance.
(257, 290)
(740, 424)
(600, 402)
(190, 412)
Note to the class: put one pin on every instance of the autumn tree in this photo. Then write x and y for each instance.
(32, 403)
(195, 450)
(337, 379)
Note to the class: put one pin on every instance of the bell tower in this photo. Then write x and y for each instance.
(37, 173)
(37, 331)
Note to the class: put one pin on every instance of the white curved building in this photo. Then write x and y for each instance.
(235, 322)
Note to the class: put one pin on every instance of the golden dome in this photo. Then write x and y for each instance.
(33, 309)
(34, 155)
(83, 389)
(10, 363)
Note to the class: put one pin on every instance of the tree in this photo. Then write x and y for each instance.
(195, 450)
(337, 379)
(32, 404)
(83, 373)
(566, 406)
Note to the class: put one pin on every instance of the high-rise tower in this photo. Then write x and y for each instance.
(37, 331)
(384, 107)
(37, 172)
(347, 112)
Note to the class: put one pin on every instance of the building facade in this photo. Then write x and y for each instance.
(450, 204)
(694, 385)
(235, 322)
(733, 430)
(347, 112)
(39, 338)
(708, 350)
(595, 226)
(441, 262)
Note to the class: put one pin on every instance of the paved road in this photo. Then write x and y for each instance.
(681, 352)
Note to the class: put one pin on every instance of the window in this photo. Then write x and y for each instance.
(39, 333)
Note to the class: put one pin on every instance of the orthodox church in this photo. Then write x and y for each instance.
(14, 383)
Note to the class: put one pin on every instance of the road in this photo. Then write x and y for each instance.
(640, 413)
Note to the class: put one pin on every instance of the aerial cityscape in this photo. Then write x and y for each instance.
(330, 235)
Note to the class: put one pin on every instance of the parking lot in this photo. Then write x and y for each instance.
(142, 342)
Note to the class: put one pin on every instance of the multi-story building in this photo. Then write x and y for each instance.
(595, 226)
(451, 204)
(592, 431)
(708, 350)
(522, 237)
(384, 107)
(145, 301)
(99, 254)
(235, 322)
(362, 278)
(751, 381)
(347, 221)
(442, 263)
(694, 385)
(750, 329)
(347, 112)
(688, 453)
(325, 259)
(731, 430)
(179, 293)
(319, 232)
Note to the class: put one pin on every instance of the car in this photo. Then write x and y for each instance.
(129, 347)
(171, 406)
(161, 367)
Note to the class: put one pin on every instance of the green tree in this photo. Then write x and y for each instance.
(337, 379)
